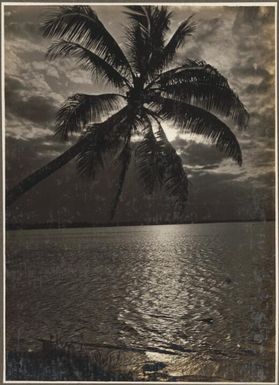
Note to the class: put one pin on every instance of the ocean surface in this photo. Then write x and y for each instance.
(202, 292)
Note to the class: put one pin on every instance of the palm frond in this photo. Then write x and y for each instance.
(153, 20)
(90, 158)
(178, 39)
(175, 178)
(204, 86)
(80, 24)
(113, 134)
(80, 110)
(89, 61)
(139, 14)
(198, 121)
(159, 164)
(171, 74)
(110, 135)
(145, 37)
(102, 137)
(160, 25)
(147, 162)
(135, 42)
(164, 77)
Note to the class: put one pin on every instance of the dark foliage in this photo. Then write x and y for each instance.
(153, 90)
(81, 110)
(70, 364)
(159, 164)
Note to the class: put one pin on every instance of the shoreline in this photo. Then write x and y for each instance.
(49, 226)
(55, 362)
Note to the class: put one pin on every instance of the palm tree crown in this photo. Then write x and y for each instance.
(149, 89)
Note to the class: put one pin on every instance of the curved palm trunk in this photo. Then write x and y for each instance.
(37, 176)
(126, 157)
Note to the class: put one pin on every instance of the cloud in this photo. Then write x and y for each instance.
(201, 159)
(253, 29)
(25, 155)
(195, 154)
(207, 30)
(23, 22)
(35, 108)
(253, 20)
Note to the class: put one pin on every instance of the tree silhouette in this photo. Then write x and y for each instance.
(150, 89)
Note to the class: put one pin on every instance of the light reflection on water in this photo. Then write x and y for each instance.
(205, 289)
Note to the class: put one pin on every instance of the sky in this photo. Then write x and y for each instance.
(238, 41)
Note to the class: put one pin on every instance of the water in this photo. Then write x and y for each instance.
(202, 291)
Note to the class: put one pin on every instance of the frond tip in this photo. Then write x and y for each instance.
(88, 60)
(178, 39)
(80, 110)
(80, 24)
(158, 164)
(198, 83)
(195, 120)
(145, 37)
(90, 158)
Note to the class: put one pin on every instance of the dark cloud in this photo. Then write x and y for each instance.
(206, 29)
(251, 70)
(262, 87)
(253, 18)
(25, 156)
(24, 22)
(35, 108)
(23, 30)
(262, 124)
(38, 109)
(198, 154)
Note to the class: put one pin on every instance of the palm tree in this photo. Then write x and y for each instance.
(150, 89)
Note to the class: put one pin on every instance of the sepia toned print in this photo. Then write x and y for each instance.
(140, 192)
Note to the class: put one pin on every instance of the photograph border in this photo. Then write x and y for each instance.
(2, 177)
